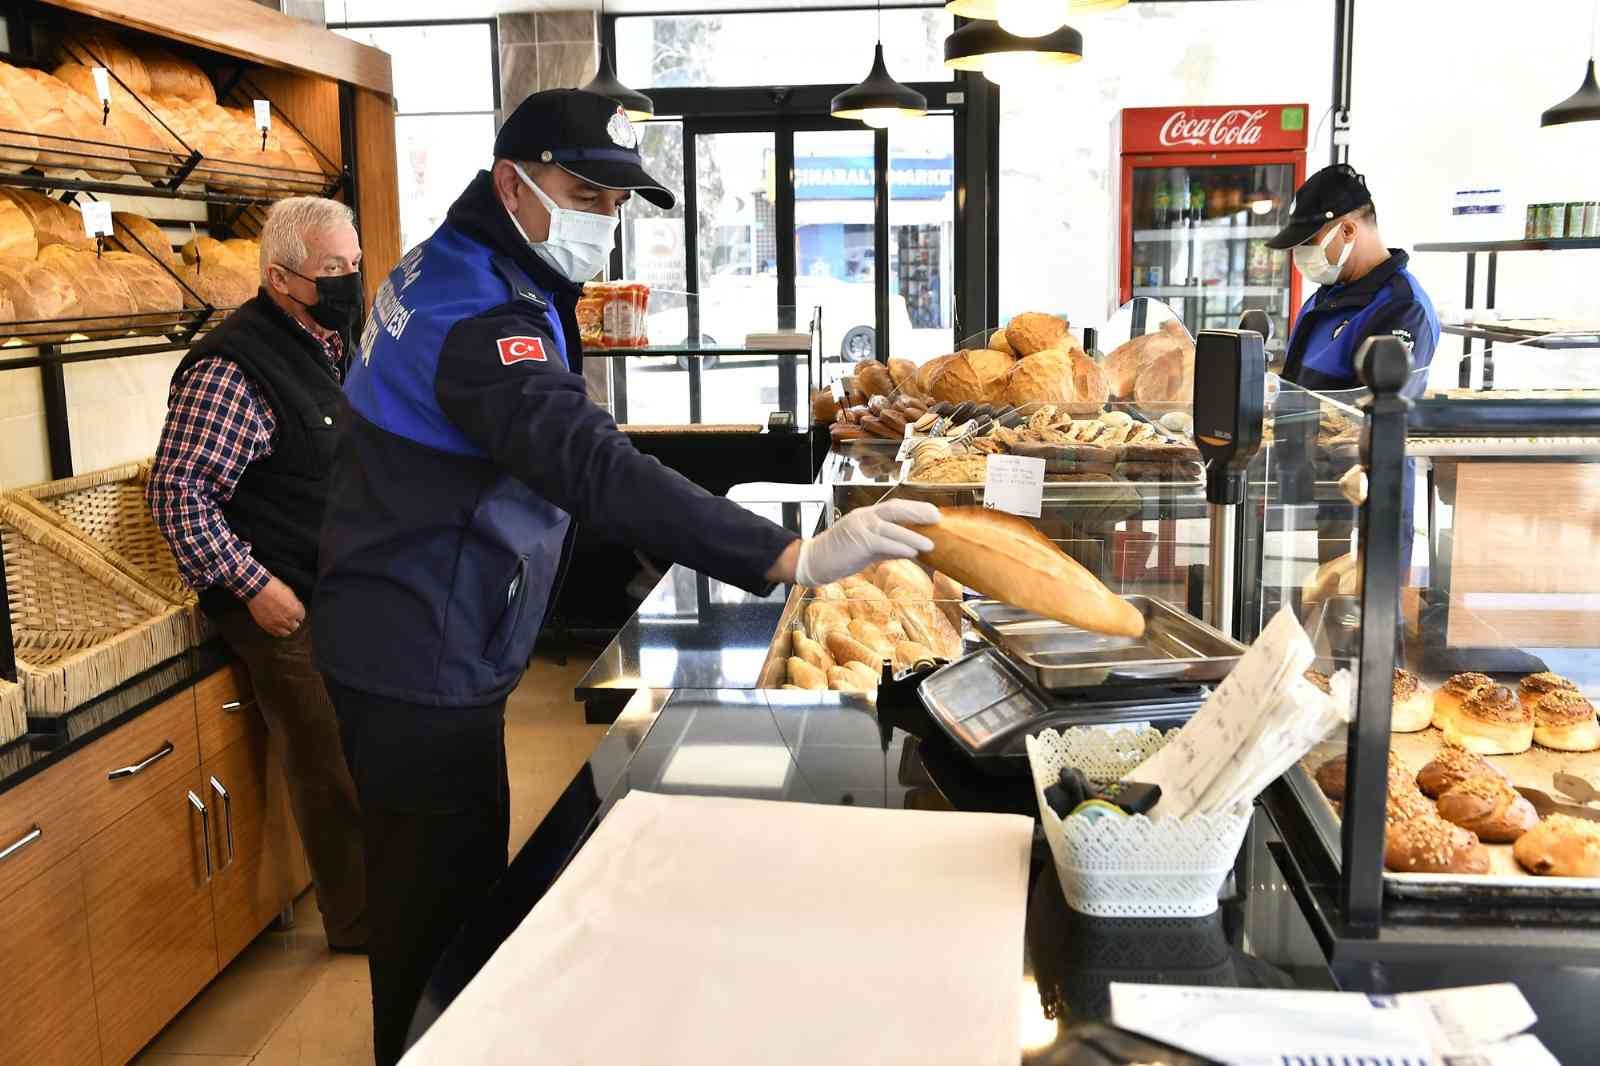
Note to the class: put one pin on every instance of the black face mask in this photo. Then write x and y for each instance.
(339, 301)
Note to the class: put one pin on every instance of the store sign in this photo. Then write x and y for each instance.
(851, 178)
(1258, 128)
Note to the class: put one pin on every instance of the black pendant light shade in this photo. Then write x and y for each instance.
(986, 48)
(879, 99)
(637, 106)
(1581, 106)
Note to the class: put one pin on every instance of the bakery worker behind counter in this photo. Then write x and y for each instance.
(1365, 291)
(471, 454)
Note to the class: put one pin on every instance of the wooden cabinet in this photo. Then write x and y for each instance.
(44, 954)
(253, 837)
(119, 771)
(147, 885)
(221, 703)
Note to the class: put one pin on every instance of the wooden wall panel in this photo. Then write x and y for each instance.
(378, 185)
(1522, 570)
(312, 104)
(250, 31)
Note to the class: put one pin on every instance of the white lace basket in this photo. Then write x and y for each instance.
(1131, 867)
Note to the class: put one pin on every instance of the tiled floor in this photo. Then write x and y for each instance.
(286, 999)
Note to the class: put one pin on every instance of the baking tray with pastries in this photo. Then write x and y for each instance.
(57, 286)
(841, 635)
(1486, 786)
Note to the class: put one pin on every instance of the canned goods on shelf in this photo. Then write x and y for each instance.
(1591, 220)
(1530, 230)
(1577, 216)
(1558, 221)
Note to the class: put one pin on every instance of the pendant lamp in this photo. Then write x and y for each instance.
(1029, 18)
(637, 106)
(1006, 59)
(879, 100)
(1583, 105)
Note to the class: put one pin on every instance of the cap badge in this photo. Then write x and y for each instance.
(621, 130)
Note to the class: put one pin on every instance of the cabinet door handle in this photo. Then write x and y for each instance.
(205, 830)
(140, 767)
(234, 706)
(27, 838)
(227, 817)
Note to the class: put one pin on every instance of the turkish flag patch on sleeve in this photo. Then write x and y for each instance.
(521, 350)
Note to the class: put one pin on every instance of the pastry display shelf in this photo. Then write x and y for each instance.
(1548, 342)
(1472, 249)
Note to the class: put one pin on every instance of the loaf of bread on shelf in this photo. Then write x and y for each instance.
(53, 221)
(170, 75)
(1058, 376)
(71, 125)
(37, 293)
(137, 234)
(977, 376)
(156, 294)
(1127, 360)
(19, 148)
(17, 237)
(151, 149)
(216, 283)
(1168, 378)
(104, 298)
(1006, 558)
(96, 47)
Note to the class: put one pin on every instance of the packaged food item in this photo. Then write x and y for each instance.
(591, 317)
(614, 314)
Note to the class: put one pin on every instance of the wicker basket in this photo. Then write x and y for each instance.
(81, 626)
(13, 716)
(107, 509)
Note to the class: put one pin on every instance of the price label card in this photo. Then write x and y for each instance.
(97, 218)
(263, 115)
(102, 83)
(908, 444)
(838, 391)
(1014, 483)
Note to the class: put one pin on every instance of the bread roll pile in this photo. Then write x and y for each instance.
(894, 612)
(65, 128)
(1155, 368)
(1035, 359)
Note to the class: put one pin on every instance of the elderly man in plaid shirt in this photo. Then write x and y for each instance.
(239, 489)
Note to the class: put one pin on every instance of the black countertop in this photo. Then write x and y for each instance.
(837, 748)
(53, 739)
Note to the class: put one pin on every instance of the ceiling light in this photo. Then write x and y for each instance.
(637, 106)
(1583, 105)
(879, 99)
(1006, 59)
(1048, 13)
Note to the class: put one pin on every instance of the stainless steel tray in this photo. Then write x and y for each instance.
(1176, 647)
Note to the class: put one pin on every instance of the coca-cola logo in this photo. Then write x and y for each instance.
(1238, 127)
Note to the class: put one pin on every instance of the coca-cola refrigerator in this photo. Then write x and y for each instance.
(1200, 191)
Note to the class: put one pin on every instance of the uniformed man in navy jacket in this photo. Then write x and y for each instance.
(1365, 288)
(470, 453)
(1365, 291)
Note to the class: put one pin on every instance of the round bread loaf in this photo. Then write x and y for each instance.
(152, 151)
(216, 284)
(1560, 846)
(1448, 697)
(1490, 807)
(1045, 377)
(93, 46)
(997, 341)
(1534, 686)
(1432, 845)
(1451, 767)
(1034, 331)
(139, 235)
(37, 293)
(1166, 378)
(1565, 721)
(1412, 704)
(66, 122)
(169, 75)
(21, 149)
(957, 381)
(873, 378)
(1492, 721)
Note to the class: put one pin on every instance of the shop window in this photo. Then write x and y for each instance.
(818, 48)
(444, 126)
(1057, 216)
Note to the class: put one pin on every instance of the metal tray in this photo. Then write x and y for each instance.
(1175, 648)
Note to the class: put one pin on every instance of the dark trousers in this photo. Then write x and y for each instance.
(305, 732)
(436, 817)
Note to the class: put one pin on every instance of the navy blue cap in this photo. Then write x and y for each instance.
(1326, 195)
(583, 133)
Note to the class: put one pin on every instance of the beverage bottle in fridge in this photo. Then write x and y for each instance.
(1163, 204)
(1180, 198)
(1197, 200)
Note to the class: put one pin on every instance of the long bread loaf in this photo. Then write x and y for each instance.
(1004, 557)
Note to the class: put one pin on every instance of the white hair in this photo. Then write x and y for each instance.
(283, 237)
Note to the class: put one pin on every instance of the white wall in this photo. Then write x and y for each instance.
(1447, 95)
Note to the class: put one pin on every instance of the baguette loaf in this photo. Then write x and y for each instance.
(1003, 556)
(847, 649)
(811, 651)
(806, 676)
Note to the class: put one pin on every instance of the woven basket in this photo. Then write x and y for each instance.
(81, 627)
(13, 716)
(107, 509)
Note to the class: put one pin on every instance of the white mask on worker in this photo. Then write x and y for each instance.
(1312, 260)
(580, 242)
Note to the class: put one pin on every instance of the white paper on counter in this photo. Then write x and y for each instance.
(693, 931)
(1250, 1027)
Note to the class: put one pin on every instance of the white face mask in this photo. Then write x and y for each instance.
(1312, 261)
(580, 241)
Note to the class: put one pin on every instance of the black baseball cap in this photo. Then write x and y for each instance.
(583, 133)
(1326, 195)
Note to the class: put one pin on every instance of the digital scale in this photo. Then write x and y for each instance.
(1035, 673)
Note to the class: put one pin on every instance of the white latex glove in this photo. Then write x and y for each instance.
(863, 537)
